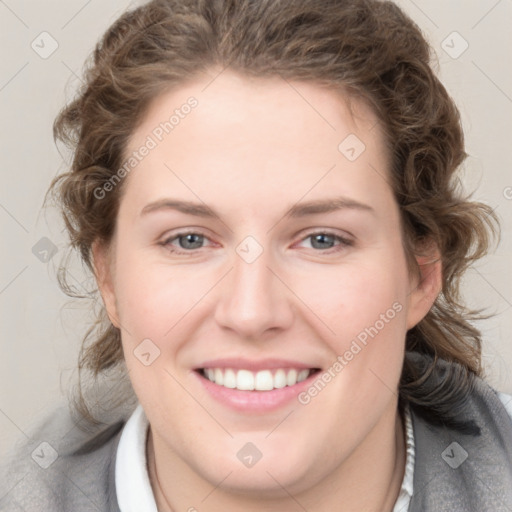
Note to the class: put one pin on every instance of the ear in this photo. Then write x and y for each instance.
(103, 271)
(425, 287)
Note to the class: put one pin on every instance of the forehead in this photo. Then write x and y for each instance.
(249, 103)
(259, 134)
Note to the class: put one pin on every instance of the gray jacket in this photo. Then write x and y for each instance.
(64, 469)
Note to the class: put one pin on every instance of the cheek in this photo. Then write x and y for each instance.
(351, 298)
(152, 297)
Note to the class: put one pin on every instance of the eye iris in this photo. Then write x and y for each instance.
(322, 238)
(189, 238)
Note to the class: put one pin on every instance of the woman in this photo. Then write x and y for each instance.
(265, 194)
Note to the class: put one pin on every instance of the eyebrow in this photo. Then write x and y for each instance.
(297, 210)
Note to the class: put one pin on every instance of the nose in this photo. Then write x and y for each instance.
(254, 300)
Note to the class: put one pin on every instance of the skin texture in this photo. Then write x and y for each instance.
(250, 150)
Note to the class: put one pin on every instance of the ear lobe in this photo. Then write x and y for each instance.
(104, 279)
(425, 288)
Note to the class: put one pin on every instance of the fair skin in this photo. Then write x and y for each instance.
(249, 151)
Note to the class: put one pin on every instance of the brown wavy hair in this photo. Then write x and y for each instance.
(366, 49)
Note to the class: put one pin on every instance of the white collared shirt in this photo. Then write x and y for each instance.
(133, 488)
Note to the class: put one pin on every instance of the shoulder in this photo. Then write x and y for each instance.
(470, 469)
(479, 396)
(64, 465)
(506, 400)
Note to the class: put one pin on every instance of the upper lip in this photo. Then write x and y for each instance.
(255, 365)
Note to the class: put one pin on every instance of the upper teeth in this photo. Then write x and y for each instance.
(264, 380)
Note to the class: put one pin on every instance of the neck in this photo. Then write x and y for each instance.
(369, 481)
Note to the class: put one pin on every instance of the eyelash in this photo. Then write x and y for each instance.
(344, 242)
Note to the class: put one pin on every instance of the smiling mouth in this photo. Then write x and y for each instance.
(263, 380)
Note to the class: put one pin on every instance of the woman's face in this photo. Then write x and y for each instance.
(296, 284)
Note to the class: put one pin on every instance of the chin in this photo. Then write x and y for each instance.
(265, 479)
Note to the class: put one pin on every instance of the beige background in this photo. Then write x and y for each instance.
(41, 329)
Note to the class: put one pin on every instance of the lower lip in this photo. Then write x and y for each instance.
(255, 401)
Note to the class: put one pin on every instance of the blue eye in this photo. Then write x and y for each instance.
(191, 239)
(188, 241)
(322, 239)
(326, 241)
